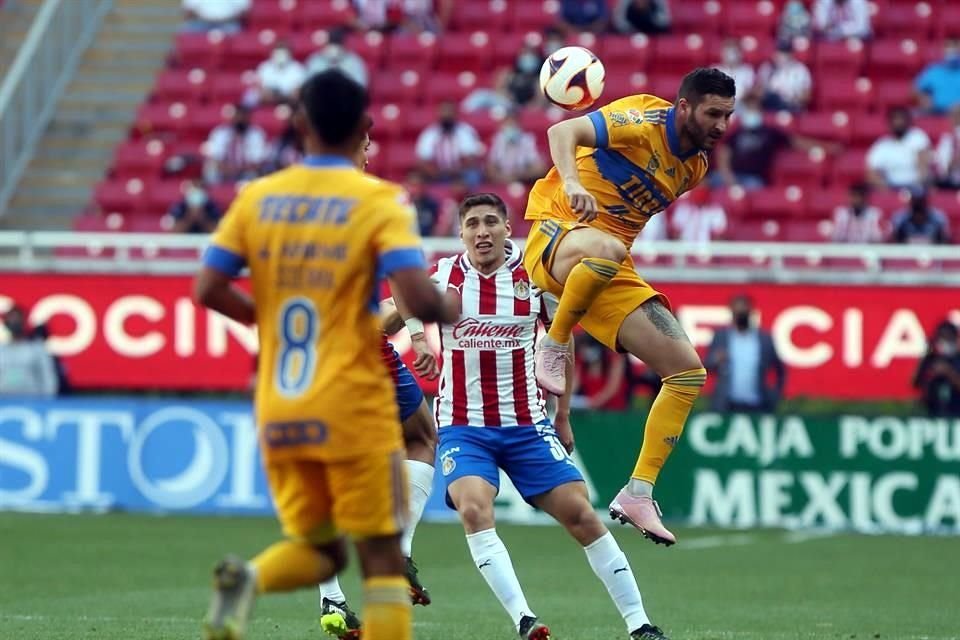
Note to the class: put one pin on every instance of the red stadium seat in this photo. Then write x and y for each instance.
(508, 45)
(805, 231)
(866, 128)
(735, 202)
(888, 200)
(203, 120)
(803, 169)
(203, 50)
(854, 95)
(826, 126)
(692, 16)
(627, 53)
(895, 59)
(161, 118)
(228, 87)
(185, 85)
(532, 15)
(757, 231)
(401, 159)
(774, 203)
(446, 86)
(894, 93)
(822, 202)
(141, 159)
(915, 20)
(324, 15)
(247, 50)
(462, 52)
(850, 167)
(407, 51)
(272, 120)
(491, 14)
(370, 46)
(163, 195)
(748, 18)
(678, 54)
(274, 15)
(843, 59)
(223, 194)
(93, 223)
(401, 88)
(949, 21)
(121, 196)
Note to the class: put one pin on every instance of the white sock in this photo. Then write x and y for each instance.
(420, 476)
(611, 566)
(492, 559)
(331, 590)
(639, 488)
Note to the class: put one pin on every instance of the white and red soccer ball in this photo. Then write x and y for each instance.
(572, 78)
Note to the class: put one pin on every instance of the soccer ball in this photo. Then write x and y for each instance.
(572, 78)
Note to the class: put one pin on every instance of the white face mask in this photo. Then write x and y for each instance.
(281, 56)
(751, 119)
(731, 57)
(196, 198)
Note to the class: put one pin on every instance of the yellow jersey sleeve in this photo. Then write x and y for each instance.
(625, 123)
(228, 250)
(396, 238)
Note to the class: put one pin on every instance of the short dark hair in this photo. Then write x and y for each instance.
(706, 82)
(862, 187)
(483, 199)
(334, 105)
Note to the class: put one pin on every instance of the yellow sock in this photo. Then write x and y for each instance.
(585, 282)
(386, 609)
(291, 565)
(665, 422)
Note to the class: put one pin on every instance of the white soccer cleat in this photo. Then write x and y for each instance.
(234, 592)
(550, 365)
(643, 513)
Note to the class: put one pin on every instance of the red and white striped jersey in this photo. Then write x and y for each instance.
(487, 378)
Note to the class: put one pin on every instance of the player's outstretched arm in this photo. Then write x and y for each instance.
(564, 138)
(215, 290)
(421, 297)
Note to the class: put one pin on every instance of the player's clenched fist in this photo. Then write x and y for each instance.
(581, 201)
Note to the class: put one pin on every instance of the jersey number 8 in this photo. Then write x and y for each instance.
(297, 362)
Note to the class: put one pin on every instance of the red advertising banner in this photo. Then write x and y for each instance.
(142, 331)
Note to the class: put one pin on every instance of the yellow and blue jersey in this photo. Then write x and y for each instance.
(636, 170)
(317, 238)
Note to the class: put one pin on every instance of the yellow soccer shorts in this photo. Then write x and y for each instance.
(625, 293)
(363, 497)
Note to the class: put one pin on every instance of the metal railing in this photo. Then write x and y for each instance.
(61, 32)
(738, 262)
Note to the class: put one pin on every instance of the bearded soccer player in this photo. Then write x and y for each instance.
(613, 170)
(316, 237)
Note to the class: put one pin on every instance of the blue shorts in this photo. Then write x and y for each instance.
(409, 394)
(531, 456)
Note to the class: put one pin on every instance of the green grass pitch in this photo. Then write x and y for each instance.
(127, 577)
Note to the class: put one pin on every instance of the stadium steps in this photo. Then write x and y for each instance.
(15, 22)
(95, 113)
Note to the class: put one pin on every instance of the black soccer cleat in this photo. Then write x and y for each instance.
(648, 632)
(418, 593)
(339, 620)
(532, 629)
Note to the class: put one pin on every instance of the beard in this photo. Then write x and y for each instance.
(698, 135)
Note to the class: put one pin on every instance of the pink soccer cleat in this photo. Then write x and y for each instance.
(643, 513)
(550, 365)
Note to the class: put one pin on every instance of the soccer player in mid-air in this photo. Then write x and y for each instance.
(316, 237)
(490, 415)
(613, 170)
(419, 438)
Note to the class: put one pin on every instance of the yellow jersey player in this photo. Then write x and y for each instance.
(613, 170)
(316, 236)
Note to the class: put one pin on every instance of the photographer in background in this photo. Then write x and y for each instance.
(938, 375)
(26, 368)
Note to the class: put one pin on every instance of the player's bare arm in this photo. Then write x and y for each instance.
(215, 290)
(390, 319)
(425, 363)
(422, 298)
(564, 138)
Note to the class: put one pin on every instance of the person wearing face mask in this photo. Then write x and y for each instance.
(733, 64)
(741, 357)
(920, 223)
(938, 374)
(747, 156)
(858, 222)
(196, 212)
(26, 368)
(280, 75)
(901, 159)
(786, 81)
(795, 22)
(841, 19)
(514, 156)
(938, 86)
(643, 16)
(522, 81)
(449, 150)
(236, 150)
(335, 55)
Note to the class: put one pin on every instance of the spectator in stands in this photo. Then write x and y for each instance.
(412, 15)
(938, 86)
(514, 156)
(335, 55)
(841, 19)
(26, 368)
(553, 39)
(600, 377)
(795, 22)
(947, 157)
(696, 219)
(280, 76)
(733, 64)
(578, 16)
(522, 81)
(786, 81)
(428, 208)
(426, 15)
(450, 150)
(938, 375)
(741, 359)
(642, 16)
(222, 15)
(235, 150)
(920, 223)
(287, 150)
(857, 222)
(747, 155)
(196, 212)
(901, 159)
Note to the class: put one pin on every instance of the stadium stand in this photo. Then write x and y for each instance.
(854, 83)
